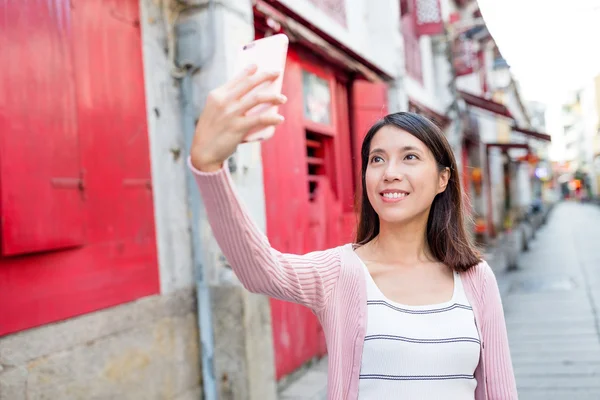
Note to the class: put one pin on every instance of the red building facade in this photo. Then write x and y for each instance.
(77, 224)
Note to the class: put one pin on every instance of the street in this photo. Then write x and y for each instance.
(551, 308)
(129, 269)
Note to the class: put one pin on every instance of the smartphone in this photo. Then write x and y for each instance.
(269, 54)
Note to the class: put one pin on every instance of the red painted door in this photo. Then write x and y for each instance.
(309, 186)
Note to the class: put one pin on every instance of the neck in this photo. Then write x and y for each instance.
(404, 242)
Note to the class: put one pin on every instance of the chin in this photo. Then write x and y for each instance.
(395, 216)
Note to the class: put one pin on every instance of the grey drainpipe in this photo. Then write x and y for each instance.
(187, 55)
(205, 323)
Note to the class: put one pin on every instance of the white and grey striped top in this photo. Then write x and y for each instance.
(419, 352)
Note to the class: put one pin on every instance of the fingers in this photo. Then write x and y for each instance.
(249, 102)
(247, 83)
(240, 77)
(260, 121)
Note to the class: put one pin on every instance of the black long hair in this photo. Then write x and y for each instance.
(447, 236)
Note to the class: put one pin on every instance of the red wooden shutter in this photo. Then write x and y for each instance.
(369, 103)
(428, 17)
(41, 203)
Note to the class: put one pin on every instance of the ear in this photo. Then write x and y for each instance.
(443, 179)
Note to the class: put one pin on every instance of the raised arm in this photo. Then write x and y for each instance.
(307, 279)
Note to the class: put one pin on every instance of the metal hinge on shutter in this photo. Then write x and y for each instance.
(70, 183)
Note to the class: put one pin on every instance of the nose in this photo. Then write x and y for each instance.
(393, 173)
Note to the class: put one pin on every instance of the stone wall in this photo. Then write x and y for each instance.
(147, 350)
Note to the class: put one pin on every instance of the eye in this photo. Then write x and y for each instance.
(376, 159)
(411, 157)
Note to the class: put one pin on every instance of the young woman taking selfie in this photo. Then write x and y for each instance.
(410, 310)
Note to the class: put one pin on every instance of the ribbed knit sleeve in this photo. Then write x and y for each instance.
(305, 279)
(500, 383)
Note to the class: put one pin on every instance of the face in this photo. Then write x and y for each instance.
(402, 176)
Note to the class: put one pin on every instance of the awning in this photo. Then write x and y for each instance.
(514, 150)
(534, 134)
(508, 146)
(485, 104)
(440, 120)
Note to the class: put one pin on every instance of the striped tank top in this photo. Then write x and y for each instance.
(419, 352)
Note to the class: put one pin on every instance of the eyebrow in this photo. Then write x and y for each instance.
(405, 148)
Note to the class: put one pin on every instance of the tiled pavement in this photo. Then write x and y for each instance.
(552, 307)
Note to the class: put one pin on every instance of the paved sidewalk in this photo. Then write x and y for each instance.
(552, 308)
(312, 385)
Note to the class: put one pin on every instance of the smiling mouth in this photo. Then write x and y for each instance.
(393, 196)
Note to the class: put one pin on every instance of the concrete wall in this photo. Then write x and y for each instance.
(147, 350)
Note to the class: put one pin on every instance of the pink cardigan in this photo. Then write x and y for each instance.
(332, 284)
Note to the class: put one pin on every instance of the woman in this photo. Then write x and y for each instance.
(409, 311)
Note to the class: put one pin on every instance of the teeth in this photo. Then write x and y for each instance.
(394, 195)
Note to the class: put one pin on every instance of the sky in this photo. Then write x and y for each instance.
(552, 46)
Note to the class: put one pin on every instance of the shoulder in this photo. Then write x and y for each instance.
(480, 277)
(481, 272)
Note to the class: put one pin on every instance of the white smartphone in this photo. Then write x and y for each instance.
(268, 54)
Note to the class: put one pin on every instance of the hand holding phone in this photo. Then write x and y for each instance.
(269, 55)
(225, 123)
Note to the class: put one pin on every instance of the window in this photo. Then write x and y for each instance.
(317, 98)
(316, 146)
(412, 48)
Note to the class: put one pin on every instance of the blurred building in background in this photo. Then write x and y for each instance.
(576, 148)
(111, 285)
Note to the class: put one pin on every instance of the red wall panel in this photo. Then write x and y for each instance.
(118, 262)
(296, 331)
(369, 104)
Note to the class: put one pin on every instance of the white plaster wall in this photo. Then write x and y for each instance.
(469, 83)
(496, 180)
(382, 36)
(555, 129)
(512, 103)
(524, 189)
(590, 127)
(442, 75)
(433, 92)
(487, 125)
(370, 26)
(234, 26)
(166, 140)
(448, 7)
